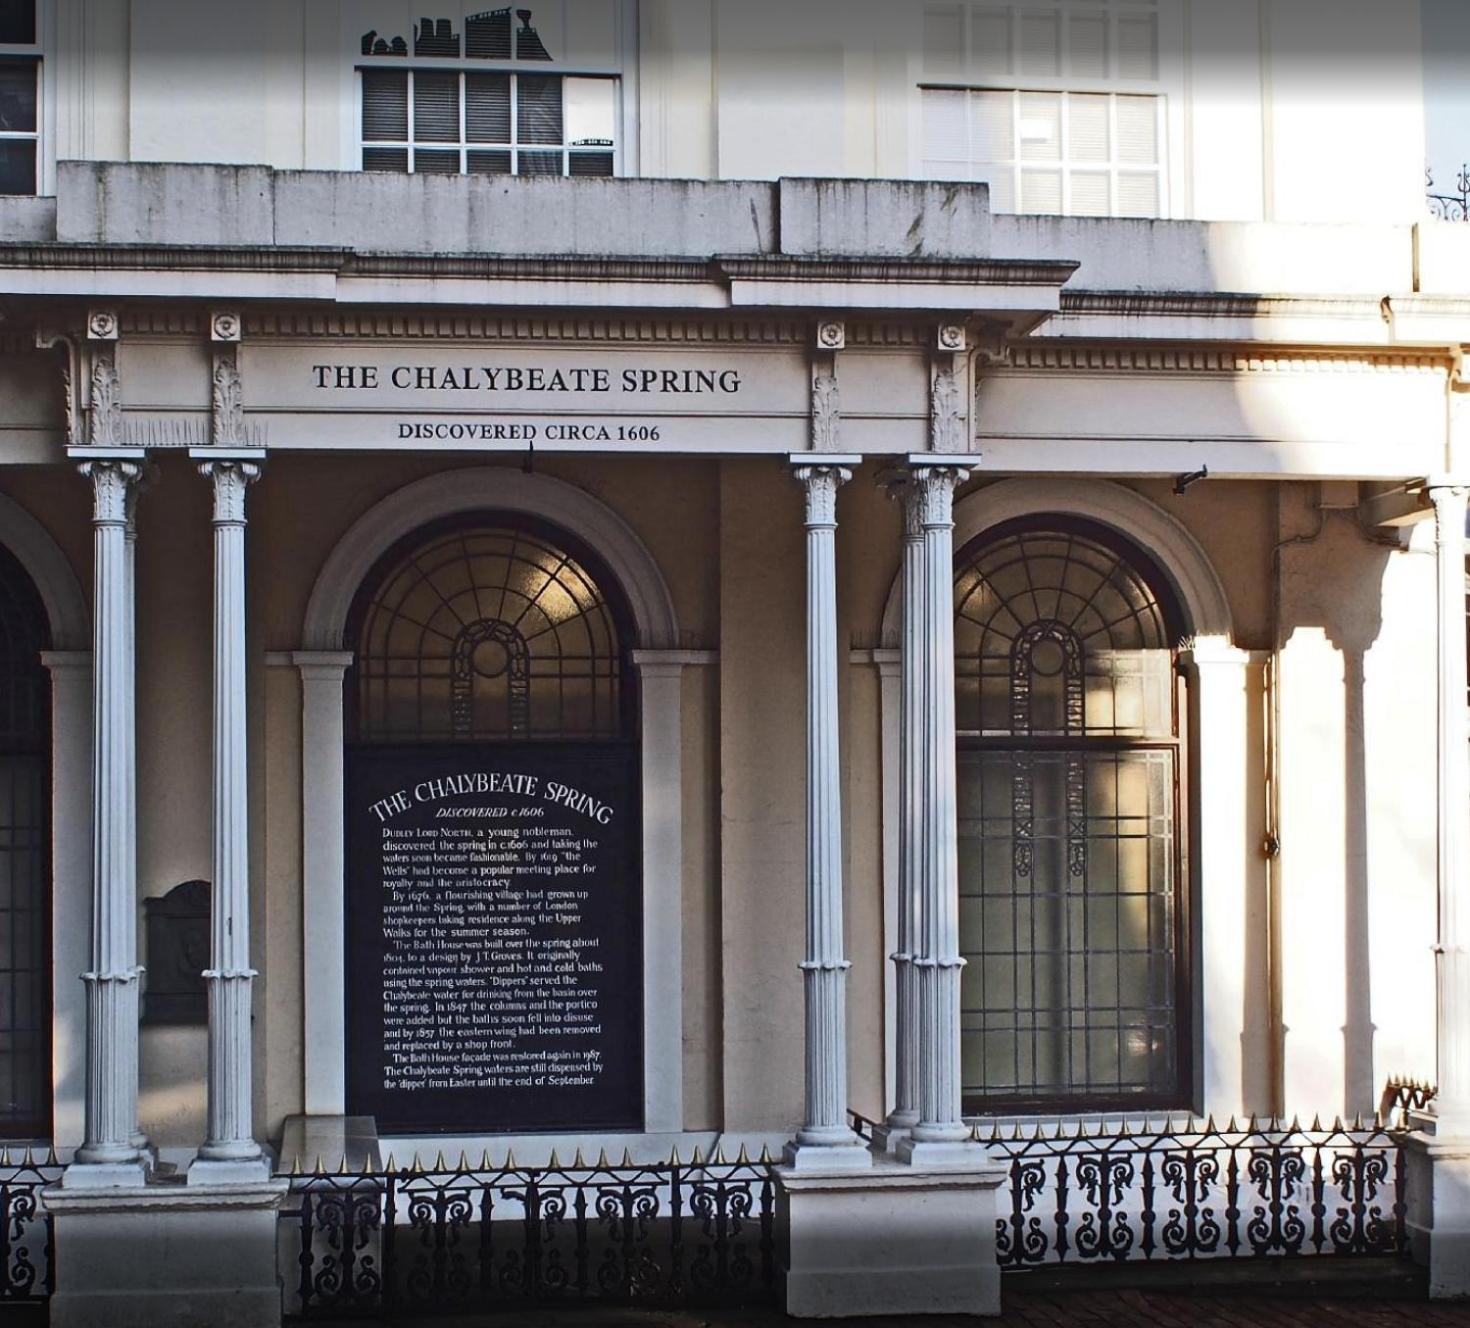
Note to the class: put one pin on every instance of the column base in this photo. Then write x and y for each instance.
(166, 1256)
(940, 1152)
(82, 1175)
(891, 1240)
(1437, 1190)
(853, 1156)
(887, 1137)
(229, 1170)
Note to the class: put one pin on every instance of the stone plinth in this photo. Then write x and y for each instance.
(894, 1239)
(1437, 1220)
(166, 1256)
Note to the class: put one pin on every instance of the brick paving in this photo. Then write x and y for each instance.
(1130, 1308)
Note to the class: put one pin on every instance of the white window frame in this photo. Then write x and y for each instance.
(1170, 85)
(514, 147)
(1064, 164)
(622, 71)
(44, 135)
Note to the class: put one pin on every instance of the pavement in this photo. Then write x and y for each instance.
(1172, 1307)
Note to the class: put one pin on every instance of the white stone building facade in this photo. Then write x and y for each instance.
(1010, 500)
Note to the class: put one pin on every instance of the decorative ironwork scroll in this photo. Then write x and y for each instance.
(414, 1240)
(1194, 1190)
(27, 1237)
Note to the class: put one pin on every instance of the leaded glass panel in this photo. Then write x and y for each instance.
(1068, 834)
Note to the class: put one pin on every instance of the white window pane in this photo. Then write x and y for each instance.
(991, 135)
(1041, 36)
(435, 108)
(384, 105)
(591, 111)
(538, 109)
(1089, 194)
(944, 41)
(1041, 191)
(1138, 130)
(1087, 45)
(1138, 194)
(1002, 187)
(1087, 127)
(990, 43)
(1041, 126)
(1138, 46)
(945, 135)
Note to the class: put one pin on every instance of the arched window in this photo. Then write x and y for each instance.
(1071, 907)
(489, 631)
(25, 859)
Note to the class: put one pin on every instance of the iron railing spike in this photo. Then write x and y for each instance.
(719, 1156)
(1124, 1129)
(390, 1168)
(1232, 1127)
(295, 1165)
(5, 1157)
(602, 1162)
(316, 1167)
(439, 1161)
(627, 1159)
(30, 1158)
(744, 1158)
(1295, 1125)
(554, 1162)
(51, 1158)
(577, 1163)
(1038, 1136)
(1210, 1124)
(510, 1159)
(342, 1164)
(698, 1159)
(1316, 1120)
(674, 1160)
(1057, 1131)
(1357, 1120)
(1253, 1125)
(485, 1163)
(1016, 1132)
(766, 1155)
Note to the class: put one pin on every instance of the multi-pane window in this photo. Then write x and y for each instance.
(455, 122)
(1060, 106)
(20, 102)
(1070, 898)
(1084, 153)
(533, 95)
(25, 860)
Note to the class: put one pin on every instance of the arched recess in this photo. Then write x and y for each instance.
(1219, 677)
(69, 662)
(1133, 516)
(323, 663)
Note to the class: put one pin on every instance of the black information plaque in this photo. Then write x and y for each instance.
(494, 938)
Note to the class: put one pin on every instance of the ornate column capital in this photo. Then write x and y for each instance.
(231, 478)
(932, 484)
(821, 480)
(113, 487)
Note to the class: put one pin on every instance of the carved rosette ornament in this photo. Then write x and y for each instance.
(948, 418)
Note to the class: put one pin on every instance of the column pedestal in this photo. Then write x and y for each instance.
(166, 1256)
(895, 1239)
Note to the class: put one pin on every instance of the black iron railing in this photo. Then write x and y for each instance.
(474, 1239)
(1449, 207)
(27, 1245)
(1402, 1098)
(1194, 1190)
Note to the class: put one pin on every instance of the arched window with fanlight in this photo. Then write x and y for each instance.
(494, 884)
(1072, 912)
(25, 859)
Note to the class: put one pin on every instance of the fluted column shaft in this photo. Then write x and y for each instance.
(1452, 1103)
(905, 1111)
(111, 1111)
(824, 970)
(937, 962)
(230, 1136)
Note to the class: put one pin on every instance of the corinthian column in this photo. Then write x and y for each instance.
(109, 1153)
(230, 1151)
(825, 1140)
(1452, 1102)
(940, 1134)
